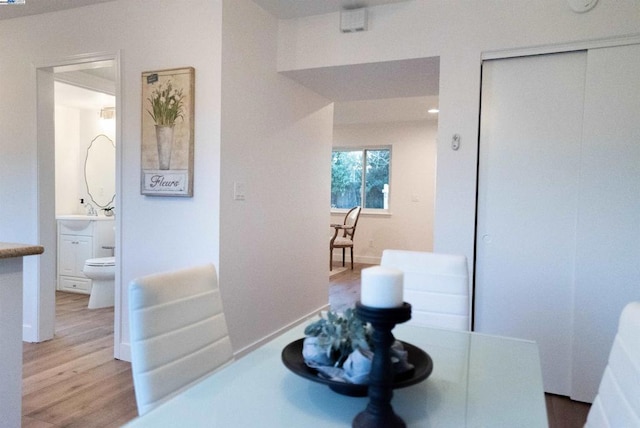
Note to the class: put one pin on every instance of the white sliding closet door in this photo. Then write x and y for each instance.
(608, 247)
(528, 179)
(558, 234)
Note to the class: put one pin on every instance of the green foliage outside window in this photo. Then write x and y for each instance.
(350, 168)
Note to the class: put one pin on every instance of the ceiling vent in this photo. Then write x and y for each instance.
(353, 20)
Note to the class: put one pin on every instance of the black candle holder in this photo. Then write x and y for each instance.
(379, 413)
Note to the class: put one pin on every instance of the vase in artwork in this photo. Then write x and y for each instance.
(164, 137)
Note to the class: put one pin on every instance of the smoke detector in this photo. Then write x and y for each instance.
(582, 5)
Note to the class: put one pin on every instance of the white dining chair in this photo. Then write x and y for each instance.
(617, 403)
(436, 285)
(178, 332)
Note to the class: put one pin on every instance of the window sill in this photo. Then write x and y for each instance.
(364, 212)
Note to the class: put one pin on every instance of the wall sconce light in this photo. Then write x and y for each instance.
(108, 113)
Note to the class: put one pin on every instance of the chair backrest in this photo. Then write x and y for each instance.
(618, 401)
(436, 285)
(178, 332)
(351, 219)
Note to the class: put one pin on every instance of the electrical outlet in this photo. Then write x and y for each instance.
(370, 243)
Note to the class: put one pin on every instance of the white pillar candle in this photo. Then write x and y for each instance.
(381, 287)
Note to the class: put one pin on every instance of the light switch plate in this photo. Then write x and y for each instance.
(238, 191)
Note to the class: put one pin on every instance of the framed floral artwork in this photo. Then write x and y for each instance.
(167, 132)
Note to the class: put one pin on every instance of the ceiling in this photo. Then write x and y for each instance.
(374, 92)
(81, 98)
(283, 9)
(406, 109)
(377, 92)
(367, 86)
(286, 9)
(375, 80)
(88, 86)
(37, 7)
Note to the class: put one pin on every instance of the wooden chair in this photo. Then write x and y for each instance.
(346, 240)
(618, 401)
(436, 285)
(178, 332)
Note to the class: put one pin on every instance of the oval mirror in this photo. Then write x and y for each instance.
(100, 171)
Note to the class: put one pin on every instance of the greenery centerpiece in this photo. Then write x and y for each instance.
(166, 108)
(340, 347)
(336, 336)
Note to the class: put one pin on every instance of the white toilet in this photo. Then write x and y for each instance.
(102, 273)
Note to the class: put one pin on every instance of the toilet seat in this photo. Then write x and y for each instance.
(101, 261)
(101, 271)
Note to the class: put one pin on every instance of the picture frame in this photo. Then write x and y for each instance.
(167, 132)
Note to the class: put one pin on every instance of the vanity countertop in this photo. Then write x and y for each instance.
(84, 217)
(9, 250)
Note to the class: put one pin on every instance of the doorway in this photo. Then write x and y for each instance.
(100, 74)
(382, 104)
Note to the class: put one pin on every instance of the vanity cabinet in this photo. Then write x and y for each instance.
(73, 250)
(81, 238)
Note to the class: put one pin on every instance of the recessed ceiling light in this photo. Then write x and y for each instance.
(433, 110)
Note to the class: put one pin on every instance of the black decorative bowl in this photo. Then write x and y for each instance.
(422, 362)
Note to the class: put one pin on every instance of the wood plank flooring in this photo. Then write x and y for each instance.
(74, 381)
(562, 412)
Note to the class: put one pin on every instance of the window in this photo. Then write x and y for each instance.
(360, 176)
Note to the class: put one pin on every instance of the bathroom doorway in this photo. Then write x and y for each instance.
(78, 101)
(85, 124)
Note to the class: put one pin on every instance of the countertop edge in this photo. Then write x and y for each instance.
(9, 250)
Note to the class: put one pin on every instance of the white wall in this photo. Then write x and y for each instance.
(67, 152)
(276, 135)
(410, 225)
(156, 233)
(458, 31)
(163, 233)
(91, 125)
(75, 130)
(276, 139)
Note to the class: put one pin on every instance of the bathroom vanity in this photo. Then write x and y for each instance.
(81, 237)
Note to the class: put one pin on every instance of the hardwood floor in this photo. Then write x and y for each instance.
(73, 380)
(562, 412)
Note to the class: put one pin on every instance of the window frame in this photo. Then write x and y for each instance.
(364, 149)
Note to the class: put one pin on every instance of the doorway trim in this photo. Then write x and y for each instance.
(46, 226)
(561, 47)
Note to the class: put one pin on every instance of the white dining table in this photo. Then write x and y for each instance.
(477, 381)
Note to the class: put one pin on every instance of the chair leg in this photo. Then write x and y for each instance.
(351, 258)
(330, 259)
(343, 257)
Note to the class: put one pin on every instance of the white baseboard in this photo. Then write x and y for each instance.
(29, 334)
(370, 260)
(242, 352)
(124, 353)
